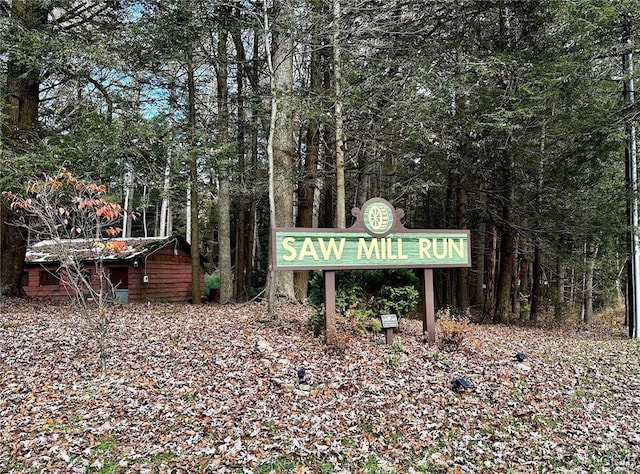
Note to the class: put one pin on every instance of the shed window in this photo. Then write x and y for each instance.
(49, 277)
(86, 273)
(25, 278)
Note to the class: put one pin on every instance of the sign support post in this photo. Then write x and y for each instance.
(389, 324)
(329, 277)
(428, 306)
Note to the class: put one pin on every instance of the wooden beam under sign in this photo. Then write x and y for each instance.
(427, 305)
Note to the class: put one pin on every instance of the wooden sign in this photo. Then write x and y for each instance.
(389, 321)
(376, 240)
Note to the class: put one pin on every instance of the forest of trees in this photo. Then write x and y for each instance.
(505, 117)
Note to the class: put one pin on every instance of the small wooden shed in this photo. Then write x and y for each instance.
(142, 269)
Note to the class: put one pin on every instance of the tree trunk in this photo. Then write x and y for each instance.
(462, 283)
(490, 296)
(242, 253)
(559, 310)
(284, 162)
(328, 209)
(250, 212)
(307, 188)
(165, 209)
(503, 310)
(193, 191)
(127, 218)
(224, 235)
(21, 99)
(19, 103)
(13, 247)
(449, 210)
(631, 172)
(572, 291)
(478, 239)
(591, 252)
(145, 206)
(364, 180)
(224, 197)
(505, 277)
(536, 283)
(519, 270)
(341, 219)
(247, 139)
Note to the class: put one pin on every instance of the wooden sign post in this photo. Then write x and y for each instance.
(389, 323)
(376, 240)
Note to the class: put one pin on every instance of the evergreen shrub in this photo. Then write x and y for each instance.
(211, 282)
(362, 296)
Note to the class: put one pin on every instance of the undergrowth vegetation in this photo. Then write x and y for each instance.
(453, 330)
(362, 296)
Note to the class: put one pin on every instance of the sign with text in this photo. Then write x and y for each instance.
(389, 321)
(376, 240)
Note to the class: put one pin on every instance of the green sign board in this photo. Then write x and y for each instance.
(376, 240)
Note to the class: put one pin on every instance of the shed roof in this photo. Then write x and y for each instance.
(110, 249)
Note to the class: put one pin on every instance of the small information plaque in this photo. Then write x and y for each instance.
(389, 321)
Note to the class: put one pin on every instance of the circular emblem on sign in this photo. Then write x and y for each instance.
(378, 217)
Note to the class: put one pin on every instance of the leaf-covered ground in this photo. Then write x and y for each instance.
(215, 389)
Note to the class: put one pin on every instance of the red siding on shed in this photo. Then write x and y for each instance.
(60, 292)
(167, 282)
(168, 270)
